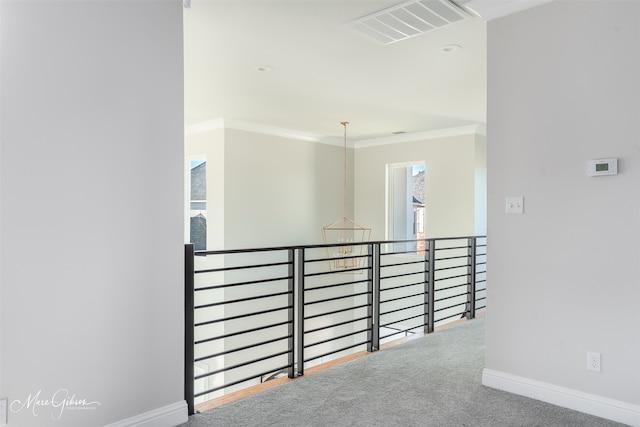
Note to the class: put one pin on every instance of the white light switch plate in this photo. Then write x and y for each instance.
(515, 205)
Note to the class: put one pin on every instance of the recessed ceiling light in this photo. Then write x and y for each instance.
(264, 68)
(450, 48)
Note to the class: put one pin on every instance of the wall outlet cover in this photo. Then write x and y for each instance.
(593, 361)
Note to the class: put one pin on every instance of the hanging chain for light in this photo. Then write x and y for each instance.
(344, 194)
(345, 230)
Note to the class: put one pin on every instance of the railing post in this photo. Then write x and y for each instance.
(189, 309)
(292, 313)
(300, 310)
(374, 297)
(471, 287)
(430, 287)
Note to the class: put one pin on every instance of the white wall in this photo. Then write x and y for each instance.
(563, 89)
(480, 201)
(280, 191)
(450, 182)
(92, 189)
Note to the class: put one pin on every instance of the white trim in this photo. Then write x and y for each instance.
(277, 131)
(221, 123)
(493, 9)
(599, 406)
(168, 416)
(204, 126)
(479, 129)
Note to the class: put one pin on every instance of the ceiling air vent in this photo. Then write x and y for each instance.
(408, 19)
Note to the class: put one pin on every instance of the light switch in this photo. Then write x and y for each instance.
(515, 205)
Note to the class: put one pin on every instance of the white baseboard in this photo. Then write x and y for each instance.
(592, 404)
(168, 416)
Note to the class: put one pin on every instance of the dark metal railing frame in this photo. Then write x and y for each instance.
(189, 326)
(296, 263)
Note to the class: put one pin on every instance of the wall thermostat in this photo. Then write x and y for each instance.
(602, 167)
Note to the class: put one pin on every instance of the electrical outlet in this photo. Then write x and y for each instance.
(593, 361)
(3, 411)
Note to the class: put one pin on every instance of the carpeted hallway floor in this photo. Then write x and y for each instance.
(431, 381)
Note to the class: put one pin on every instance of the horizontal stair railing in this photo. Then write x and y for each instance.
(257, 314)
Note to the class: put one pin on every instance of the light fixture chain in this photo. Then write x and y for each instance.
(345, 170)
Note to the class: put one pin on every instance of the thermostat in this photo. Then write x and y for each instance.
(602, 167)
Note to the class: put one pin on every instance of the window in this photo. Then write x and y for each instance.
(198, 204)
(406, 202)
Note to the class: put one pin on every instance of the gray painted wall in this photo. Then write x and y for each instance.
(563, 277)
(91, 275)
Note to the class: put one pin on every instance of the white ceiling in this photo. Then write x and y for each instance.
(324, 73)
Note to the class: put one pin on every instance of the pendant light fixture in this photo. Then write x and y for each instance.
(345, 233)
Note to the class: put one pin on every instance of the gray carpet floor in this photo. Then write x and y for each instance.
(430, 381)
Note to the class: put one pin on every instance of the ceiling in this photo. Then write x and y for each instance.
(322, 72)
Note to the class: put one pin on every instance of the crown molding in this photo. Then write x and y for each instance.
(478, 129)
(205, 126)
(493, 9)
(221, 123)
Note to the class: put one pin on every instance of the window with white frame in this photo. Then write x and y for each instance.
(198, 204)
(406, 202)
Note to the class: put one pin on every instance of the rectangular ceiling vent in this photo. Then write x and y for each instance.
(408, 19)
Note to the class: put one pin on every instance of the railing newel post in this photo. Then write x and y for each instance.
(292, 312)
(430, 286)
(189, 326)
(300, 310)
(471, 289)
(374, 289)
